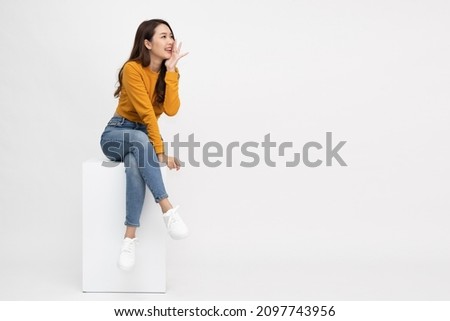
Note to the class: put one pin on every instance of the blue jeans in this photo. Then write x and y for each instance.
(127, 141)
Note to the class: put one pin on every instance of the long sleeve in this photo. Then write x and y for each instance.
(171, 100)
(137, 94)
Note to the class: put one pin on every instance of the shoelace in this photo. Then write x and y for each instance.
(173, 219)
(129, 246)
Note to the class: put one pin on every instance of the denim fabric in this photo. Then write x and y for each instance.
(126, 141)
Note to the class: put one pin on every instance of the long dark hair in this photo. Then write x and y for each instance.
(140, 53)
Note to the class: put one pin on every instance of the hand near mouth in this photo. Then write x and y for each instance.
(173, 60)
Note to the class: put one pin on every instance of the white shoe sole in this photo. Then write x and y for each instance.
(179, 236)
(125, 268)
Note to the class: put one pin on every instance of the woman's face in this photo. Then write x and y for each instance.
(162, 42)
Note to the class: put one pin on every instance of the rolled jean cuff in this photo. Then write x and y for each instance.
(132, 224)
(160, 198)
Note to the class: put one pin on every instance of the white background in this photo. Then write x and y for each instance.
(375, 73)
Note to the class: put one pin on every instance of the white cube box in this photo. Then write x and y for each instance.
(104, 185)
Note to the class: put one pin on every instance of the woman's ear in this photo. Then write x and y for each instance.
(148, 44)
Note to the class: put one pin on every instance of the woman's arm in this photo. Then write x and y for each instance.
(133, 84)
(171, 100)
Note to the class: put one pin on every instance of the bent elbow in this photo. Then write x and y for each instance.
(171, 113)
(172, 109)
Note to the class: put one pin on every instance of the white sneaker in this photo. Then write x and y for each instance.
(127, 254)
(175, 225)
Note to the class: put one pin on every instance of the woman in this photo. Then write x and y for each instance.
(148, 87)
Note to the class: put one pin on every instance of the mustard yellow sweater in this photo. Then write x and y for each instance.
(136, 96)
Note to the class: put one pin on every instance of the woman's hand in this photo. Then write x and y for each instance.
(173, 163)
(170, 161)
(171, 63)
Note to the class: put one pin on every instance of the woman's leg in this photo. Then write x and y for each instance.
(147, 165)
(130, 232)
(135, 195)
(165, 205)
(116, 144)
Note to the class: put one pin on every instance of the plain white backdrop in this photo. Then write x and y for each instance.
(374, 73)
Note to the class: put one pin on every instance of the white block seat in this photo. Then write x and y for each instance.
(103, 229)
